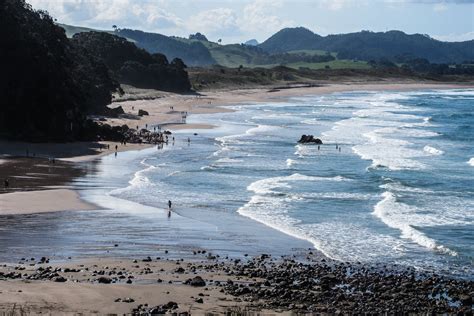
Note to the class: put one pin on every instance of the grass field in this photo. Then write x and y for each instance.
(335, 64)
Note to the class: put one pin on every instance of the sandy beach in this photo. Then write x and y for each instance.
(165, 109)
(206, 284)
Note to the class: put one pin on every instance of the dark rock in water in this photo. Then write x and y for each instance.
(142, 112)
(309, 139)
(196, 281)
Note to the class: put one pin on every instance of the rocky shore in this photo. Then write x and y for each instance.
(263, 283)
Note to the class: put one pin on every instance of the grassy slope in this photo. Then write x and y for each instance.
(335, 64)
(234, 55)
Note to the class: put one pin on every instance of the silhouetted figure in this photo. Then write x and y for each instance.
(318, 147)
(6, 183)
(115, 154)
(116, 147)
(169, 205)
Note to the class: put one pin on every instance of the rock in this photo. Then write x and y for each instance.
(309, 139)
(115, 112)
(466, 300)
(59, 279)
(128, 300)
(199, 300)
(104, 280)
(197, 281)
(142, 112)
(179, 270)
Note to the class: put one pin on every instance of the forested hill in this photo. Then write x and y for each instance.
(368, 45)
(135, 66)
(47, 83)
(50, 83)
(193, 53)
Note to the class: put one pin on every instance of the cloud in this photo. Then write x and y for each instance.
(104, 13)
(439, 7)
(455, 37)
(259, 16)
(256, 18)
(215, 22)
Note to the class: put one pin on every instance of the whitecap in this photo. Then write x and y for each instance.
(401, 216)
(433, 151)
(471, 161)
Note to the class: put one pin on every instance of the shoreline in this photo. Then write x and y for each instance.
(167, 109)
(197, 282)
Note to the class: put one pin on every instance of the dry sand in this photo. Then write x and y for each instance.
(41, 202)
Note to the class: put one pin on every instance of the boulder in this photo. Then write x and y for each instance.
(142, 112)
(309, 139)
(197, 281)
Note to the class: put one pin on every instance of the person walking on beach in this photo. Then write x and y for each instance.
(169, 208)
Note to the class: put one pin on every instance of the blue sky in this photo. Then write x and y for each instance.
(237, 21)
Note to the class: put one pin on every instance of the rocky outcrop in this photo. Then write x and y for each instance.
(142, 112)
(309, 139)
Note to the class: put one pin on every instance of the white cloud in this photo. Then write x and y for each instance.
(104, 13)
(455, 37)
(214, 22)
(259, 16)
(439, 7)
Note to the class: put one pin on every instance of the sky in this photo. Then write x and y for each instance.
(236, 21)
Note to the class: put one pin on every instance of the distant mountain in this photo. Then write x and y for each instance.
(368, 45)
(290, 39)
(252, 42)
(192, 52)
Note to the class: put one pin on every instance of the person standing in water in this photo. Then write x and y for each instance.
(169, 204)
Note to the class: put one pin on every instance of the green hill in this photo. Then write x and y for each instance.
(368, 45)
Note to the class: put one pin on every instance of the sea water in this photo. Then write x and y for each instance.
(393, 182)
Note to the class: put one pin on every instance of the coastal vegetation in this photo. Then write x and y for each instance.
(50, 84)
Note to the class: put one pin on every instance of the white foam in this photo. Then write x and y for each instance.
(290, 162)
(433, 151)
(266, 186)
(401, 216)
(471, 161)
(262, 129)
(228, 160)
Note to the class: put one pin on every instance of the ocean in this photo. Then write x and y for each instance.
(393, 183)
